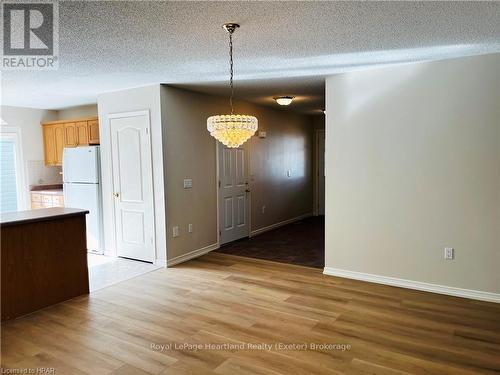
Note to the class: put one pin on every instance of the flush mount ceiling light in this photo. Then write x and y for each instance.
(232, 130)
(284, 100)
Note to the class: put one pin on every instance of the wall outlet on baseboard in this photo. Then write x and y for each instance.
(190, 228)
(263, 209)
(449, 253)
(175, 231)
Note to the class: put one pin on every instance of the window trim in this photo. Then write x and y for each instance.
(14, 132)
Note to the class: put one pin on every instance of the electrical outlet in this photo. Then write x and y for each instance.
(263, 209)
(188, 183)
(190, 228)
(449, 253)
(175, 231)
(289, 173)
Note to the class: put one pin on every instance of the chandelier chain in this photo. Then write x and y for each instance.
(231, 71)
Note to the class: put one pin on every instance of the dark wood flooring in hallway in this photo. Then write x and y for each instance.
(301, 243)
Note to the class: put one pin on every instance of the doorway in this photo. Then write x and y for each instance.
(233, 193)
(320, 172)
(133, 185)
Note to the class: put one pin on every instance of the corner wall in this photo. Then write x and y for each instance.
(190, 152)
(412, 167)
(136, 99)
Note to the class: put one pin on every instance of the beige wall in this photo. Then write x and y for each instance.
(77, 112)
(136, 99)
(413, 166)
(190, 152)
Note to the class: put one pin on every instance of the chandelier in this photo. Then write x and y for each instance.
(232, 130)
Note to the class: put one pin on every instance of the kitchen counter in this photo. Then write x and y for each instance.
(22, 217)
(43, 259)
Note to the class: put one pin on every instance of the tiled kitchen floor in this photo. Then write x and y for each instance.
(105, 271)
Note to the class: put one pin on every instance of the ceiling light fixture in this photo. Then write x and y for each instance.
(284, 100)
(232, 130)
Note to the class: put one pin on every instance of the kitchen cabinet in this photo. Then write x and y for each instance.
(93, 132)
(68, 133)
(53, 143)
(82, 133)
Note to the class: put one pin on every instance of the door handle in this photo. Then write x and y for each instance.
(247, 190)
(116, 195)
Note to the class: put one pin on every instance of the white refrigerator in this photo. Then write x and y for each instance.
(82, 189)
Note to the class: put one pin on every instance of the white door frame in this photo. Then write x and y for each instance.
(110, 156)
(217, 176)
(14, 133)
(316, 174)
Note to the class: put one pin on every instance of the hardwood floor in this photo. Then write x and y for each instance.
(223, 299)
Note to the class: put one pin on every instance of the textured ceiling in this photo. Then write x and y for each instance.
(281, 48)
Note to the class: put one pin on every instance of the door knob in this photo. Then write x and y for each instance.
(116, 195)
(247, 190)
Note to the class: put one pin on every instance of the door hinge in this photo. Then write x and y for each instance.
(219, 184)
(220, 233)
(147, 131)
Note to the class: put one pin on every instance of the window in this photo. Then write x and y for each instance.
(12, 189)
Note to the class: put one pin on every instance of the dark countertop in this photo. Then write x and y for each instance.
(43, 214)
(48, 192)
(35, 188)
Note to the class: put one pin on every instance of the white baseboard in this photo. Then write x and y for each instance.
(192, 254)
(417, 285)
(280, 224)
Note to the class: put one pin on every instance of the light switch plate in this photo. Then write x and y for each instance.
(188, 183)
(175, 231)
(449, 253)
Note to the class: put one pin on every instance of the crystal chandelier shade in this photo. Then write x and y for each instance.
(232, 130)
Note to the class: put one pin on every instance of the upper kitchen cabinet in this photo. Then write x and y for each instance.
(93, 132)
(68, 133)
(53, 143)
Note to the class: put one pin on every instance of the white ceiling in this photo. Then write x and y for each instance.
(281, 47)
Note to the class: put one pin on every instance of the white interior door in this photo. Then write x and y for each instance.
(321, 172)
(234, 194)
(133, 185)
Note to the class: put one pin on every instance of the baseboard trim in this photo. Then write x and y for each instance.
(417, 285)
(192, 254)
(280, 224)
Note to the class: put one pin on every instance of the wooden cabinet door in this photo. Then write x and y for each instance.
(59, 143)
(49, 144)
(82, 133)
(70, 135)
(93, 131)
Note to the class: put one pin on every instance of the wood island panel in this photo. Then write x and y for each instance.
(44, 261)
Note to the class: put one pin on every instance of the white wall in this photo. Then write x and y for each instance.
(190, 152)
(137, 99)
(29, 120)
(82, 111)
(413, 166)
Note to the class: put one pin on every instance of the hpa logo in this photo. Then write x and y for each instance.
(30, 35)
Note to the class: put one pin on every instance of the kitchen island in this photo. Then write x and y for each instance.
(43, 259)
